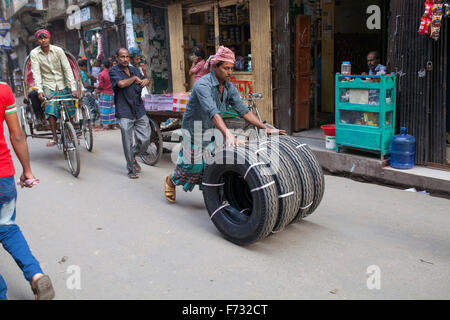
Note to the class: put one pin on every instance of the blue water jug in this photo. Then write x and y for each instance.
(403, 149)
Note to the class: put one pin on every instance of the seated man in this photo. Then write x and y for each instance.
(53, 77)
(375, 67)
(37, 108)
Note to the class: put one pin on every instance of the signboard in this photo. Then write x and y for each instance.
(5, 36)
(109, 10)
(82, 16)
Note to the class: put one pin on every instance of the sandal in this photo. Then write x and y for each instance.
(51, 143)
(169, 192)
(43, 288)
(132, 175)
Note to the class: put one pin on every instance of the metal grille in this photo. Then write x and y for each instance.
(420, 64)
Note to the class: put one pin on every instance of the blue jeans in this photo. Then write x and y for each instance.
(11, 237)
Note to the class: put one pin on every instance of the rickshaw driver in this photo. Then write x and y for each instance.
(53, 77)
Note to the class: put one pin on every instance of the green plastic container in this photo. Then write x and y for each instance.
(365, 112)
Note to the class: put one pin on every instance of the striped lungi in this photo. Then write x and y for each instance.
(107, 109)
(52, 107)
(189, 169)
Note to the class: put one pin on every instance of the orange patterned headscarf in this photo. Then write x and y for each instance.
(41, 32)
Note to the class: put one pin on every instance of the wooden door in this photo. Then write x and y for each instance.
(175, 17)
(302, 72)
(327, 56)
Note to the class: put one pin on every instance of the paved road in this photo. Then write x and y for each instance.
(126, 242)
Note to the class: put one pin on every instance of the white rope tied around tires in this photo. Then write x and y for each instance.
(252, 166)
(259, 150)
(213, 184)
(300, 146)
(286, 195)
(309, 205)
(218, 209)
(263, 187)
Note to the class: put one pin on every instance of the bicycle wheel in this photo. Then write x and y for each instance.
(155, 149)
(71, 151)
(86, 128)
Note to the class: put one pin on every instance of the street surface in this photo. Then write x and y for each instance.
(104, 236)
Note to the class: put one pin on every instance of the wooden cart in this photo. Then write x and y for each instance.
(155, 149)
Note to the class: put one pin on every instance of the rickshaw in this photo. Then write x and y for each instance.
(68, 131)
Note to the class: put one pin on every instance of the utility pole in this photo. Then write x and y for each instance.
(120, 22)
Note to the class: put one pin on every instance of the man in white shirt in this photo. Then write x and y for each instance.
(53, 77)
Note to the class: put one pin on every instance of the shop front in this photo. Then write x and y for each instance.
(244, 26)
(149, 23)
(327, 33)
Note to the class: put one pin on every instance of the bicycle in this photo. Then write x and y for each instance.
(240, 125)
(67, 137)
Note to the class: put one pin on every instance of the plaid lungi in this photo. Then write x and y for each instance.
(53, 107)
(107, 109)
(189, 169)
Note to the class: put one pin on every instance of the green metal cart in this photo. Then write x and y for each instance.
(365, 112)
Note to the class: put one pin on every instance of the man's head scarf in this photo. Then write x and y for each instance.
(41, 32)
(223, 54)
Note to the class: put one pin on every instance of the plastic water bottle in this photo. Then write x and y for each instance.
(346, 68)
(403, 149)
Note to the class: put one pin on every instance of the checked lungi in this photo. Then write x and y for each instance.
(52, 107)
(107, 109)
(190, 166)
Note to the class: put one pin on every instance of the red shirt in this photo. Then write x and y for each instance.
(7, 106)
(104, 84)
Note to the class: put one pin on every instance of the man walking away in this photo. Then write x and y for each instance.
(127, 83)
(11, 237)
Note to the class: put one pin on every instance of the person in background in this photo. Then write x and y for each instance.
(198, 67)
(11, 236)
(106, 99)
(96, 70)
(89, 97)
(375, 67)
(239, 65)
(127, 83)
(135, 61)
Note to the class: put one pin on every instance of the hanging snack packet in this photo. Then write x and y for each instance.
(447, 10)
(428, 9)
(425, 26)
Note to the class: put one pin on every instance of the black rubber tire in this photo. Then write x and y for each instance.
(155, 149)
(70, 148)
(299, 162)
(315, 172)
(248, 216)
(86, 128)
(287, 178)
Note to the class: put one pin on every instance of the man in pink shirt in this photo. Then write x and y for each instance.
(198, 67)
(106, 101)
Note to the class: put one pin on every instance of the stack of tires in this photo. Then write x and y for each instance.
(253, 191)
